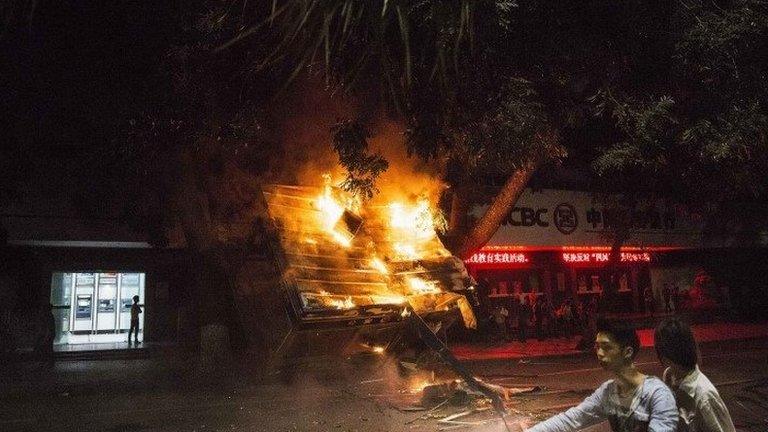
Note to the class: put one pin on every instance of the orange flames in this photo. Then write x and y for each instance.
(411, 234)
(331, 211)
(420, 286)
(412, 221)
(379, 265)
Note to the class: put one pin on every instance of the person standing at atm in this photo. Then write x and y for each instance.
(135, 311)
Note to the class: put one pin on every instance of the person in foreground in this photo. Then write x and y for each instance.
(631, 401)
(700, 405)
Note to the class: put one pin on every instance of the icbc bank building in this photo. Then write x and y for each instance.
(557, 243)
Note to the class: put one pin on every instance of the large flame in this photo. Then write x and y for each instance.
(414, 222)
(389, 299)
(405, 251)
(346, 303)
(331, 212)
(411, 229)
(379, 265)
(421, 286)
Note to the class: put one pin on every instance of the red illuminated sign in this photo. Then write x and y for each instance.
(497, 258)
(601, 257)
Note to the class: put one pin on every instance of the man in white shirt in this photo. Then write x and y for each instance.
(700, 405)
(631, 402)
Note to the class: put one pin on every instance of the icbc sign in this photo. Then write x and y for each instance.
(564, 217)
(526, 216)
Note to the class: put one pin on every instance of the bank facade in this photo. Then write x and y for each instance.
(85, 273)
(557, 244)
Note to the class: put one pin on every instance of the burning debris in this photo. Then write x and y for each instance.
(343, 259)
(455, 404)
(365, 277)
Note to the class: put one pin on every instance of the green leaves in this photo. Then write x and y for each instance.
(511, 130)
(648, 129)
(731, 149)
(399, 42)
(726, 46)
(350, 141)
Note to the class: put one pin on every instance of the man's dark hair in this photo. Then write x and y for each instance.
(674, 340)
(136, 298)
(623, 333)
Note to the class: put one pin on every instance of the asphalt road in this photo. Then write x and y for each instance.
(331, 395)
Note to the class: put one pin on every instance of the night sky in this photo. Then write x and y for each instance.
(70, 75)
(75, 67)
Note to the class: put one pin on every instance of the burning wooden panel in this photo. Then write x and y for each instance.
(341, 259)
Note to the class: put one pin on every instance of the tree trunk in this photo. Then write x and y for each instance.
(620, 236)
(484, 229)
(192, 206)
(458, 218)
(211, 272)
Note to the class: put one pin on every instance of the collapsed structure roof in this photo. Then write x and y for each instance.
(358, 261)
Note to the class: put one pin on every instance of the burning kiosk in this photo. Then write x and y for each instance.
(350, 272)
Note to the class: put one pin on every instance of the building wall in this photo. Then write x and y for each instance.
(25, 286)
(550, 218)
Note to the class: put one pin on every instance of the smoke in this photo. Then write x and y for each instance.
(407, 177)
(305, 117)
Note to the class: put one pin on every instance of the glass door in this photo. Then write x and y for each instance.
(106, 318)
(131, 284)
(95, 307)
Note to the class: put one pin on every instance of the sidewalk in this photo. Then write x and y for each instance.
(704, 333)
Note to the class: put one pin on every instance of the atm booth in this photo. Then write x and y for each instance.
(95, 306)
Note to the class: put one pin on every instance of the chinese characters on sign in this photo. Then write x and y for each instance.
(497, 258)
(566, 218)
(648, 219)
(597, 257)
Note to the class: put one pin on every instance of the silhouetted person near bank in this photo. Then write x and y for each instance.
(539, 317)
(666, 293)
(135, 311)
(700, 406)
(676, 297)
(567, 314)
(631, 401)
(648, 298)
(500, 316)
(524, 315)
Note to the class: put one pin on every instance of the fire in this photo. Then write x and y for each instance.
(405, 251)
(340, 239)
(420, 286)
(409, 235)
(420, 385)
(342, 304)
(331, 212)
(389, 299)
(379, 265)
(346, 303)
(414, 222)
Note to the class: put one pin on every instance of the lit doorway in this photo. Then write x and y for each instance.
(95, 307)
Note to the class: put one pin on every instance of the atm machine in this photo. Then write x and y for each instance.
(83, 313)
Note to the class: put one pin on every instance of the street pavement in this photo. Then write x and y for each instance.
(366, 394)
